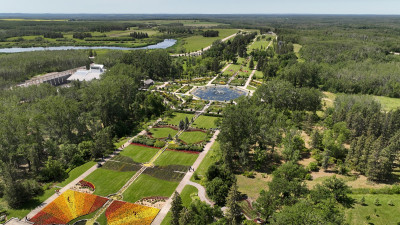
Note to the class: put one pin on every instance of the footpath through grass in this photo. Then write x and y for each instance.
(175, 158)
(186, 193)
(211, 157)
(108, 181)
(372, 214)
(148, 186)
(139, 154)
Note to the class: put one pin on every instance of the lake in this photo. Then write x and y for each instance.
(162, 45)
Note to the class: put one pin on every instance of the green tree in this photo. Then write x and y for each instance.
(176, 208)
(233, 213)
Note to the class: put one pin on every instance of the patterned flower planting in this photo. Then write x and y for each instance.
(68, 206)
(125, 213)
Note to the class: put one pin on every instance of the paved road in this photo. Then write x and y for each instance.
(185, 181)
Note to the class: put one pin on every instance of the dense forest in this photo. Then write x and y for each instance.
(46, 130)
(19, 67)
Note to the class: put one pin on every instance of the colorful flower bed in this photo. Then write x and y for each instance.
(87, 184)
(68, 206)
(121, 213)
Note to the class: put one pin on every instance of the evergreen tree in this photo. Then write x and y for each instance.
(176, 208)
(251, 64)
(181, 125)
(233, 214)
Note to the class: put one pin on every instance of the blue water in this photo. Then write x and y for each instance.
(218, 93)
(162, 45)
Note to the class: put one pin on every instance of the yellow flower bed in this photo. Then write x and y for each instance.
(124, 213)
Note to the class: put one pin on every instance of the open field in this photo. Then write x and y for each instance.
(252, 186)
(388, 103)
(108, 181)
(163, 132)
(177, 117)
(198, 42)
(148, 186)
(139, 154)
(372, 214)
(205, 122)
(193, 137)
(175, 158)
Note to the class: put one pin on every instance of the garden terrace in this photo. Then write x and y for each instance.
(206, 122)
(185, 89)
(195, 82)
(176, 117)
(193, 137)
(108, 181)
(195, 105)
(140, 154)
(175, 158)
(162, 133)
(148, 186)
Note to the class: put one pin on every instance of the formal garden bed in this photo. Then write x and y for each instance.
(194, 105)
(238, 81)
(185, 89)
(154, 201)
(196, 81)
(125, 213)
(222, 79)
(67, 207)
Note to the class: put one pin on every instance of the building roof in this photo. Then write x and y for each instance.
(148, 82)
(87, 75)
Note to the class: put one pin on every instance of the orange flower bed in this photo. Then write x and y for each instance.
(125, 213)
(68, 206)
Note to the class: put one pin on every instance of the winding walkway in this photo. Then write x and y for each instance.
(202, 192)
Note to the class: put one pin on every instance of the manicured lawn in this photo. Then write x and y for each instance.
(76, 172)
(108, 181)
(193, 137)
(197, 42)
(177, 117)
(258, 75)
(211, 157)
(206, 122)
(186, 192)
(138, 153)
(385, 214)
(175, 158)
(148, 186)
(233, 68)
(163, 132)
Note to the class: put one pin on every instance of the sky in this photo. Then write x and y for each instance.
(202, 6)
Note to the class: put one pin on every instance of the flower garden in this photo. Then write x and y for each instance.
(68, 206)
(121, 213)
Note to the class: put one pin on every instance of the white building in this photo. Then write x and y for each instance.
(87, 75)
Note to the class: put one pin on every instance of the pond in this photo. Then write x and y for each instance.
(218, 93)
(162, 45)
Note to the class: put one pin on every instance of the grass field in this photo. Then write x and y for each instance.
(261, 44)
(167, 219)
(198, 42)
(162, 132)
(385, 214)
(175, 158)
(138, 153)
(76, 172)
(185, 194)
(108, 181)
(388, 103)
(232, 69)
(211, 157)
(177, 117)
(193, 137)
(148, 186)
(252, 186)
(205, 122)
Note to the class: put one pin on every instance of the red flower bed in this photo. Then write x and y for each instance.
(87, 184)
